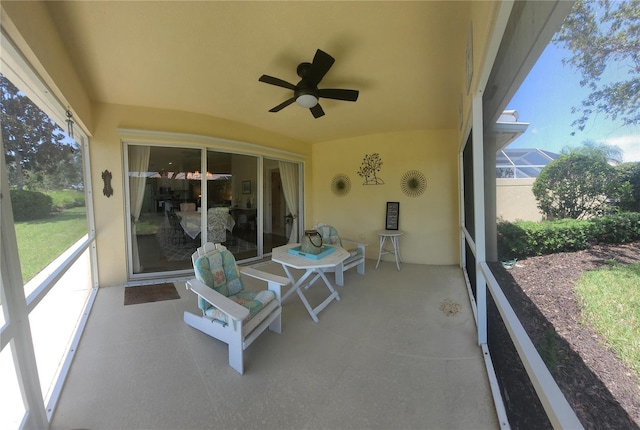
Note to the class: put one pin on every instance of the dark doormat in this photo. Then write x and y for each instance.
(150, 293)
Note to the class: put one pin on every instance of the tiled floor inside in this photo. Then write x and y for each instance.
(398, 351)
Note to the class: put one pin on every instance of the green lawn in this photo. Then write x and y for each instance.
(66, 198)
(41, 241)
(610, 300)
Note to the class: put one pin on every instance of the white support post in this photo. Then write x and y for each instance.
(16, 315)
(479, 218)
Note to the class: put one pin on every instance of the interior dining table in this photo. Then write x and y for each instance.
(191, 223)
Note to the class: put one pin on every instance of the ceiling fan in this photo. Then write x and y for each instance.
(306, 92)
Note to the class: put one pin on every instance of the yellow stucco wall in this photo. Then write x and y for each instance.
(430, 220)
(30, 27)
(106, 153)
(482, 20)
(515, 200)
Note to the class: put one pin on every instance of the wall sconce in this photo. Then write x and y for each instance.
(107, 190)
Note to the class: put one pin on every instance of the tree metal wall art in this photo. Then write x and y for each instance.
(371, 165)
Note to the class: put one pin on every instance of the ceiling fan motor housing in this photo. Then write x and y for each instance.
(303, 69)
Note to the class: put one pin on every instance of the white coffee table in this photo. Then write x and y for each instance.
(310, 266)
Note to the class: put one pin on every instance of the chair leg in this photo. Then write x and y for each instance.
(236, 355)
(276, 325)
(360, 268)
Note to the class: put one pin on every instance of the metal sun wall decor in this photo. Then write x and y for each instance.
(413, 183)
(371, 165)
(340, 185)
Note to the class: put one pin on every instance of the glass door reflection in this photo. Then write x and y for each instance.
(232, 196)
(280, 202)
(165, 193)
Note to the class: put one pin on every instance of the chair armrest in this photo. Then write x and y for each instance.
(264, 276)
(355, 242)
(274, 282)
(226, 305)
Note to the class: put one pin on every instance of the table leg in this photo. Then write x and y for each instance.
(296, 287)
(328, 284)
(396, 250)
(306, 304)
(295, 284)
(382, 240)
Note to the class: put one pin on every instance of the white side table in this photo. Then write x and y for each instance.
(393, 235)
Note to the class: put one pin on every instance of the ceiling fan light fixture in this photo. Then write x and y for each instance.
(306, 100)
(306, 93)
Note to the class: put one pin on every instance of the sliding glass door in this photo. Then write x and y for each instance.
(164, 205)
(280, 203)
(232, 203)
(179, 198)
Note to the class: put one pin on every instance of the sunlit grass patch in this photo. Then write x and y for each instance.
(610, 301)
(41, 241)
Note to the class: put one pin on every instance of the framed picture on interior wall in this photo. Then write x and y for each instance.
(246, 187)
(393, 215)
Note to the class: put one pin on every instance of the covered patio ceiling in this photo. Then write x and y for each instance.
(406, 59)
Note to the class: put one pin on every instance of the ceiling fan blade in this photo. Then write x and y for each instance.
(338, 94)
(317, 111)
(322, 62)
(283, 105)
(276, 81)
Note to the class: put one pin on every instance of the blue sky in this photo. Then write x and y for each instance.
(545, 99)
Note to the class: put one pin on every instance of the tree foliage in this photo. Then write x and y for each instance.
(601, 34)
(612, 154)
(630, 173)
(36, 153)
(579, 184)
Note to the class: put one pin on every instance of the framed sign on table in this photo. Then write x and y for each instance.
(393, 215)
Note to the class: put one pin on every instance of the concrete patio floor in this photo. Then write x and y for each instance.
(398, 351)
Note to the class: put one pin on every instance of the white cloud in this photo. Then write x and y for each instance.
(630, 145)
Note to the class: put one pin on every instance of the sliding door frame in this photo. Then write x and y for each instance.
(204, 143)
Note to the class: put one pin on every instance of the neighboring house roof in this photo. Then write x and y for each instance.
(506, 130)
(522, 162)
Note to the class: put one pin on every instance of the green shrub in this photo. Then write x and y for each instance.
(29, 205)
(512, 240)
(527, 238)
(630, 172)
(67, 199)
(579, 185)
(621, 228)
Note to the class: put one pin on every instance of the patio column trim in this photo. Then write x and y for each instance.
(16, 315)
(158, 138)
(479, 218)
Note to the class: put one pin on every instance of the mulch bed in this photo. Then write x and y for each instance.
(603, 392)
